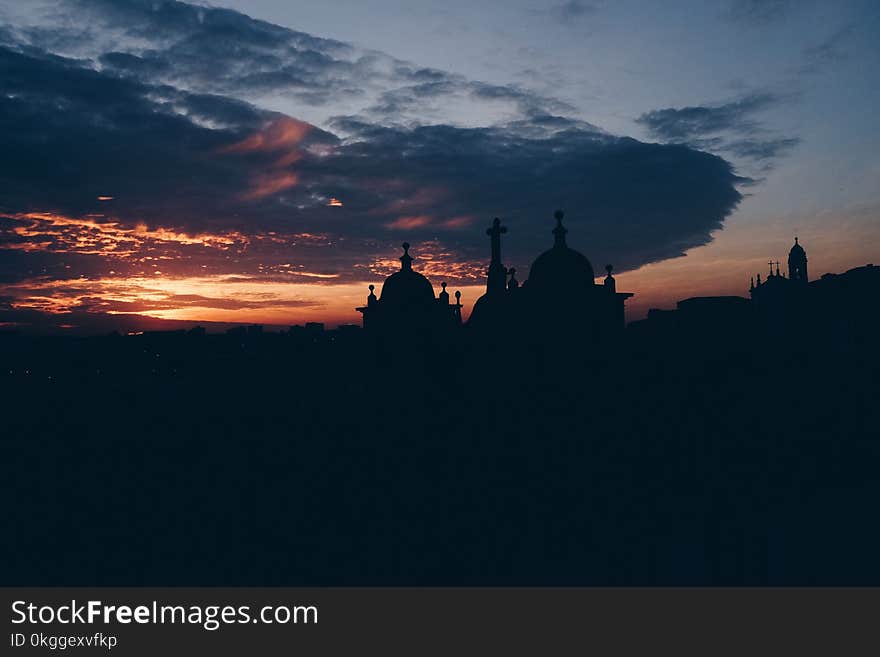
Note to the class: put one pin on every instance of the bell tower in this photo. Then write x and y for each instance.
(797, 263)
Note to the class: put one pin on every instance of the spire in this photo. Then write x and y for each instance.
(777, 268)
(752, 283)
(406, 259)
(560, 231)
(495, 232)
(496, 274)
(372, 298)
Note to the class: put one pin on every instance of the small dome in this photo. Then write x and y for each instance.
(406, 288)
(561, 268)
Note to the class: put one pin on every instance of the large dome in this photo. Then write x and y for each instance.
(797, 249)
(406, 288)
(561, 267)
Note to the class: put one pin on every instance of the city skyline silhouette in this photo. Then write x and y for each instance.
(581, 294)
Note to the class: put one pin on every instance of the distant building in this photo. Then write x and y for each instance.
(798, 309)
(782, 310)
(699, 320)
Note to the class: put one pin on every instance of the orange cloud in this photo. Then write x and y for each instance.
(408, 223)
(220, 298)
(86, 235)
(270, 183)
(462, 221)
(282, 136)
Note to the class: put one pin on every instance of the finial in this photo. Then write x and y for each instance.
(610, 284)
(371, 287)
(443, 285)
(406, 258)
(458, 296)
(512, 284)
(560, 231)
(795, 239)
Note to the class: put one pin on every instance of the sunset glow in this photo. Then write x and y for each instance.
(274, 177)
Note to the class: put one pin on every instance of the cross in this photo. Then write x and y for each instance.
(771, 267)
(777, 268)
(495, 233)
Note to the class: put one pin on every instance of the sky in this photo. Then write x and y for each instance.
(261, 161)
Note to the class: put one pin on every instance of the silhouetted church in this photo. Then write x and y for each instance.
(794, 307)
(560, 293)
(777, 283)
(407, 304)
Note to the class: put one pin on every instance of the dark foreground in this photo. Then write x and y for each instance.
(208, 460)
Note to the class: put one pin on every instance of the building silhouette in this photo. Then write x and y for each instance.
(834, 307)
(783, 310)
(407, 305)
(559, 295)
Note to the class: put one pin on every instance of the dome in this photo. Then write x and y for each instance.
(406, 287)
(561, 267)
(797, 249)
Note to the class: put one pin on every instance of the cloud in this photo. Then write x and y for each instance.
(759, 12)
(762, 150)
(682, 124)
(828, 52)
(572, 10)
(207, 50)
(731, 127)
(204, 183)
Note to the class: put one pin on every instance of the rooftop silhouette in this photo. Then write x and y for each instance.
(731, 441)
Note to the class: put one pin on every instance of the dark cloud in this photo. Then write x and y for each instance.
(828, 52)
(685, 123)
(733, 127)
(759, 12)
(204, 182)
(573, 10)
(762, 150)
(218, 51)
